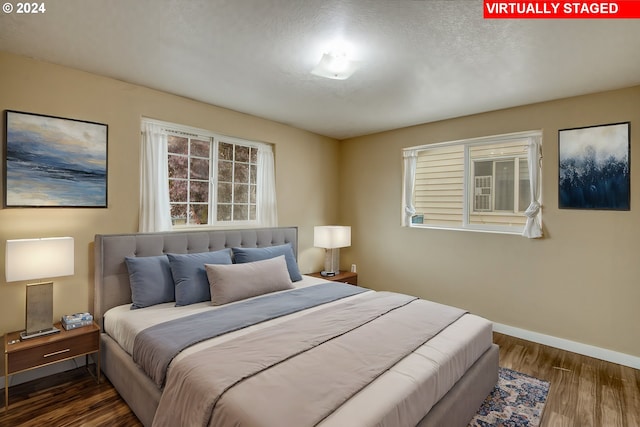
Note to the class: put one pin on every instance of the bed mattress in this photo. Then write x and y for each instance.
(416, 383)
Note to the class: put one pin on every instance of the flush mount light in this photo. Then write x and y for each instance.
(335, 65)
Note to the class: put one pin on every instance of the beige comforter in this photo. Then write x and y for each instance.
(299, 372)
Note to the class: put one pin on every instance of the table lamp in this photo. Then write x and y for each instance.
(32, 259)
(331, 238)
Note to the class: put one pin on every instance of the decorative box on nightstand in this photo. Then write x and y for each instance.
(343, 276)
(32, 353)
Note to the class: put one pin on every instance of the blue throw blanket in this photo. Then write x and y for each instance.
(155, 347)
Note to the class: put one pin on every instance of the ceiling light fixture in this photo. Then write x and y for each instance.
(335, 65)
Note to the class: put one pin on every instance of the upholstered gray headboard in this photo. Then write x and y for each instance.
(111, 275)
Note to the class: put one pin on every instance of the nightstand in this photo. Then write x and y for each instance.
(32, 353)
(343, 276)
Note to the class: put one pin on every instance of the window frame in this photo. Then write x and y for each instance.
(468, 181)
(214, 139)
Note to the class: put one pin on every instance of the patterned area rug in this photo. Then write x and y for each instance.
(516, 401)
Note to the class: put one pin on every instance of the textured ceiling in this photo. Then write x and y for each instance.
(418, 61)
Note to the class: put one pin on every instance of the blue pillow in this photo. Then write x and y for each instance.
(242, 255)
(151, 281)
(190, 277)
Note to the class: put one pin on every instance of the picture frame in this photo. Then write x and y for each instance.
(54, 162)
(594, 167)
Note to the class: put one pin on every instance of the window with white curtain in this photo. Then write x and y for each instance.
(482, 184)
(210, 179)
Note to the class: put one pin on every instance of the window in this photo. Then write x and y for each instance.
(190, 168)
(210, 179)
(189, 165)
(480, 184)
(237, 172)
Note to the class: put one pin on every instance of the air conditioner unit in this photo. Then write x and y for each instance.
(482, 194)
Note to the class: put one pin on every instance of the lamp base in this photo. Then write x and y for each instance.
(39, 309)
(25, 336)
(331, 262)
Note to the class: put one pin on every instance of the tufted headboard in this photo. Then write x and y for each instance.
(111, 275)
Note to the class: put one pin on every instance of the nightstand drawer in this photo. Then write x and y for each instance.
(352, 280)
(28, 358)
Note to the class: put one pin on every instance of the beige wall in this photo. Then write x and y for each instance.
(581, 282)
(306, 172)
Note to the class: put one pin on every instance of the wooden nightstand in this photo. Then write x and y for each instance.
(24, 355)
(343, 276)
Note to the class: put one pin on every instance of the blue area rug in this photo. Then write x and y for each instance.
(516, 401)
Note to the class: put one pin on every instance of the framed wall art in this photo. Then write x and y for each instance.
(595, 167)
(54, 162)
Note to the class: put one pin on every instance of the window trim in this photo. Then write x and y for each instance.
(465, 225)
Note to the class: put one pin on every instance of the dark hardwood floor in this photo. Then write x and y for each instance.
(71, 398)
(584, 392)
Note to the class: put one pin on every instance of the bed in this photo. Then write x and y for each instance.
(440, 382)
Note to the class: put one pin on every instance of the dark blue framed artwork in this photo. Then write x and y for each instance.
(54, 162)
(595, 167)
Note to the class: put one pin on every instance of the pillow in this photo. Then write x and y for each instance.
(242, 255)
(191, 278)
(229, 283)
(150, 279)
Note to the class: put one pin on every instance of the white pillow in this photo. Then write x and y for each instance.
(233, 282)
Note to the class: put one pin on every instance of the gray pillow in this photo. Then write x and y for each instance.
(229, 283)
(242, 255)
(191, 278)
(151, 281)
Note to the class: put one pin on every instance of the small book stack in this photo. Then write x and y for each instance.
(72, 321)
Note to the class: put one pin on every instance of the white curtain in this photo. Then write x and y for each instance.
(533, 227)
(267, 214)
(155, 212)
(410, 158)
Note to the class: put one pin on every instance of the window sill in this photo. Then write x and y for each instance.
(515, 232)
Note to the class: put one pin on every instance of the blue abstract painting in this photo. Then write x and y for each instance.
(594, 167)
(54, 162)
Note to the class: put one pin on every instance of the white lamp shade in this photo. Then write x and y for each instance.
(30, 259)
(331, 236)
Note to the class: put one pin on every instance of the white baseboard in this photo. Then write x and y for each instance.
(572, 346)
(45, 371)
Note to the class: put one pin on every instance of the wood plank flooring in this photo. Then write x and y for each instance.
(584, 392)
(71, 398)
